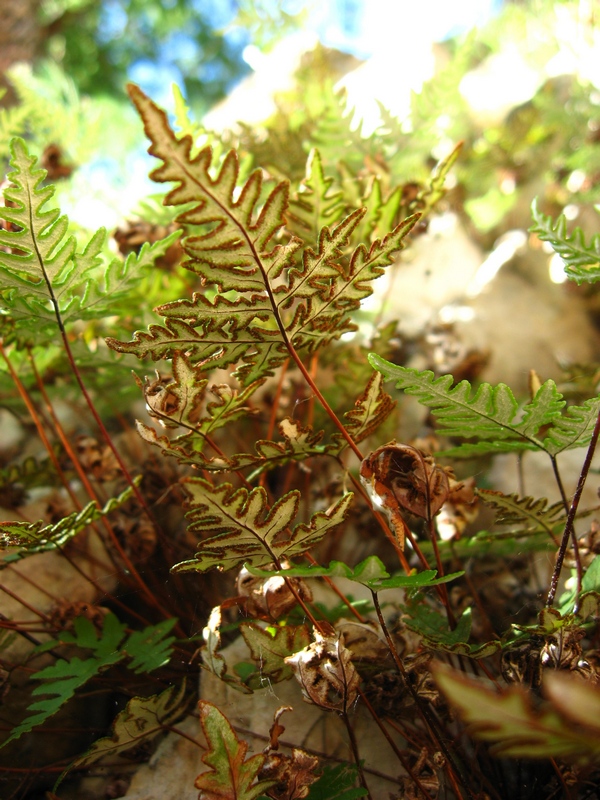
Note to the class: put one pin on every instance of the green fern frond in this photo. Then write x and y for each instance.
(324, 316)
(142, 719)
(315, 204)
(37, 537)
(492, 413)
(371, 409)
(13, 121)
(574, 428)
(44, 278)
(148, 649)
(581, 260)
(26, 474)
(244, 529)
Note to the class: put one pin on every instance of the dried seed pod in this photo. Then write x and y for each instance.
(64, 613)
(326, 673)
(521, 663)
(52, 160)
(160, 402)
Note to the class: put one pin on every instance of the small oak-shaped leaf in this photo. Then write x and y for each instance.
(270, 647)
(337, 783)
(231, 776)
(326, 673)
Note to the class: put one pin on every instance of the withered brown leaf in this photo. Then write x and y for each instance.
(404, 478)
(270, 598)
(326, 673)
(294, 774)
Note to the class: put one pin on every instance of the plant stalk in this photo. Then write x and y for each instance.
(568, 531)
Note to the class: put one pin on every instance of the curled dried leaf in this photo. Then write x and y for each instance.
(271, 597)
(326, 673)
(293, 774)
(404, 478)
(364, 641)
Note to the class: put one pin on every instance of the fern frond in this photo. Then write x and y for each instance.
(142, 719)
(13, 121)
(277, 300)
(44, 277)
(315, 204)
(244, 529)
(325, 315)
(574, 428)
(530, 514)
(581, 260)
(148, 649)
(371, 409)
(27, 473)
(37, 537)
(492, 413)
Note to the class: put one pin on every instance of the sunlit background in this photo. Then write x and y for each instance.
(232, 58)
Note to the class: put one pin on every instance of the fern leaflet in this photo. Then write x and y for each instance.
(315, 204)
(149, 650)
(37, 537)
(271, 297)
(491, 414)
(44, 277)
(581, 260)
(142, 719)
(244, 530)
(531, 515)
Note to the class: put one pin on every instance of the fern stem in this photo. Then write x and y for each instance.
(568, 531)
(262, 481)
(75, 370)
(438, 560)
(336, 589)
(355, 753)
(428, 718)
(393, 745)
(52, 455)
(25, 604)
(105, 435)
(38, 424)
(314, 388)
(129, 568)
(576, 554)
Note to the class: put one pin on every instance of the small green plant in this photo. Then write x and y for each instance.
(277, 458)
